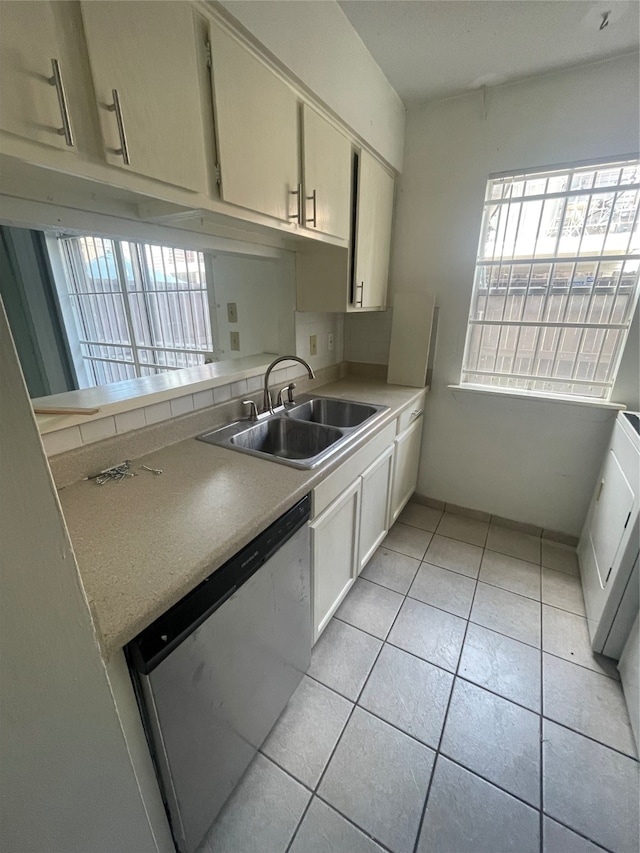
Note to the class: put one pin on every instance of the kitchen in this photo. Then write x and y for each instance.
(476, 452)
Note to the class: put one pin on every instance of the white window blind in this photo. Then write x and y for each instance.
(139, 309)
(556, 279)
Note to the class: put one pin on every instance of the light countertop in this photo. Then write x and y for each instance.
(144, 543)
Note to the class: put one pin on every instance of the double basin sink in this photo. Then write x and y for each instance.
(303, 434)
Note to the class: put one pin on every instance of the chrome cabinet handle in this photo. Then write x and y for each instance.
(56, 80)
(116, 108)
(360, 287)
(313, 198)
(298, 214)
(416, 414)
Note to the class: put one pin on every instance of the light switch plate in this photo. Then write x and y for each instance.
(232, 312)
(313, 345)
(235, 340)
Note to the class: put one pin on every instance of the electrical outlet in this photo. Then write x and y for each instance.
(232, 312)
(235, 340)
(313, 345)
(330, 342)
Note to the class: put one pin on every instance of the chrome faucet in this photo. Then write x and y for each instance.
(268, 404)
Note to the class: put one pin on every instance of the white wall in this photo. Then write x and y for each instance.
(531, 461)
(367, 337)
(264, 293)
(350, 83)
(68, 782)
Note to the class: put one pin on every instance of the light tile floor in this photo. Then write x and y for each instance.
(453, 705)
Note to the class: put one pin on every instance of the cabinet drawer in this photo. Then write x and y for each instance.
(410, 413)
(343, 476)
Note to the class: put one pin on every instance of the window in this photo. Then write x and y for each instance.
(556, 279)
(138, 309)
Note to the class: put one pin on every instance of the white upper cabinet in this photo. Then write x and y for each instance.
(256, 117)
(330, 278)
(143, 63)
(33, 102)
(374, 212)
(326, 158)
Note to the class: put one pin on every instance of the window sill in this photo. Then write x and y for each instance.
(538, 396)
(144, 391)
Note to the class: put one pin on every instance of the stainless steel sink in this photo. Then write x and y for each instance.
(286, 438)
(338, 413)
(302, 435)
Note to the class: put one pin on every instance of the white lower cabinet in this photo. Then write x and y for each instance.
(357, 504)
(334, 549)
(374, 506)
(405, 467)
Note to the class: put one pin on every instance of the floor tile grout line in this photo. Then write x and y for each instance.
(449, 569)
(480, 625)
(493, 784)
(592, 739)
(491, 524)
(575, 663)
(438, 667)
(354, 824)
(314, 793)
(444, 725)
(576, 832)
(455, 676)
(344, 728)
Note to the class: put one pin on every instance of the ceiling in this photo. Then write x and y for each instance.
(431, 49)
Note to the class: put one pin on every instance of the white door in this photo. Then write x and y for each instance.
(373, 234)
(146, 51)
(256, 117)
(334, 549)
(374, 510)
(405, 467)
(611, 514)
(327, 175)
(30, 107)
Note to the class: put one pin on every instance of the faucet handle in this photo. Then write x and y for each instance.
(253, 409)
(289, 389)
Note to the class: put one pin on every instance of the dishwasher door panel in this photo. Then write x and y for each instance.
(214, 699)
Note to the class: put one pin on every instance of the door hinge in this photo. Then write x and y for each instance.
(208, 54)
(218, 175)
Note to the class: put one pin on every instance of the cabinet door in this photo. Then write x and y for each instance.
(147, 52)
(374, 510)
(327, 175)
(256, 116)
(29, 104)
(334, 548)
(373, 234)
(611, 515)
(405, 467)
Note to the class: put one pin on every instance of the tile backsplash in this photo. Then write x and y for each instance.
(322, 325)
(71, 459)
(73, 437)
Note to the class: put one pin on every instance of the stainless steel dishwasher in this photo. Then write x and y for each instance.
(214, 673)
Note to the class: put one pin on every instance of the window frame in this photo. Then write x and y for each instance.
(532, 383)
(72, 276)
